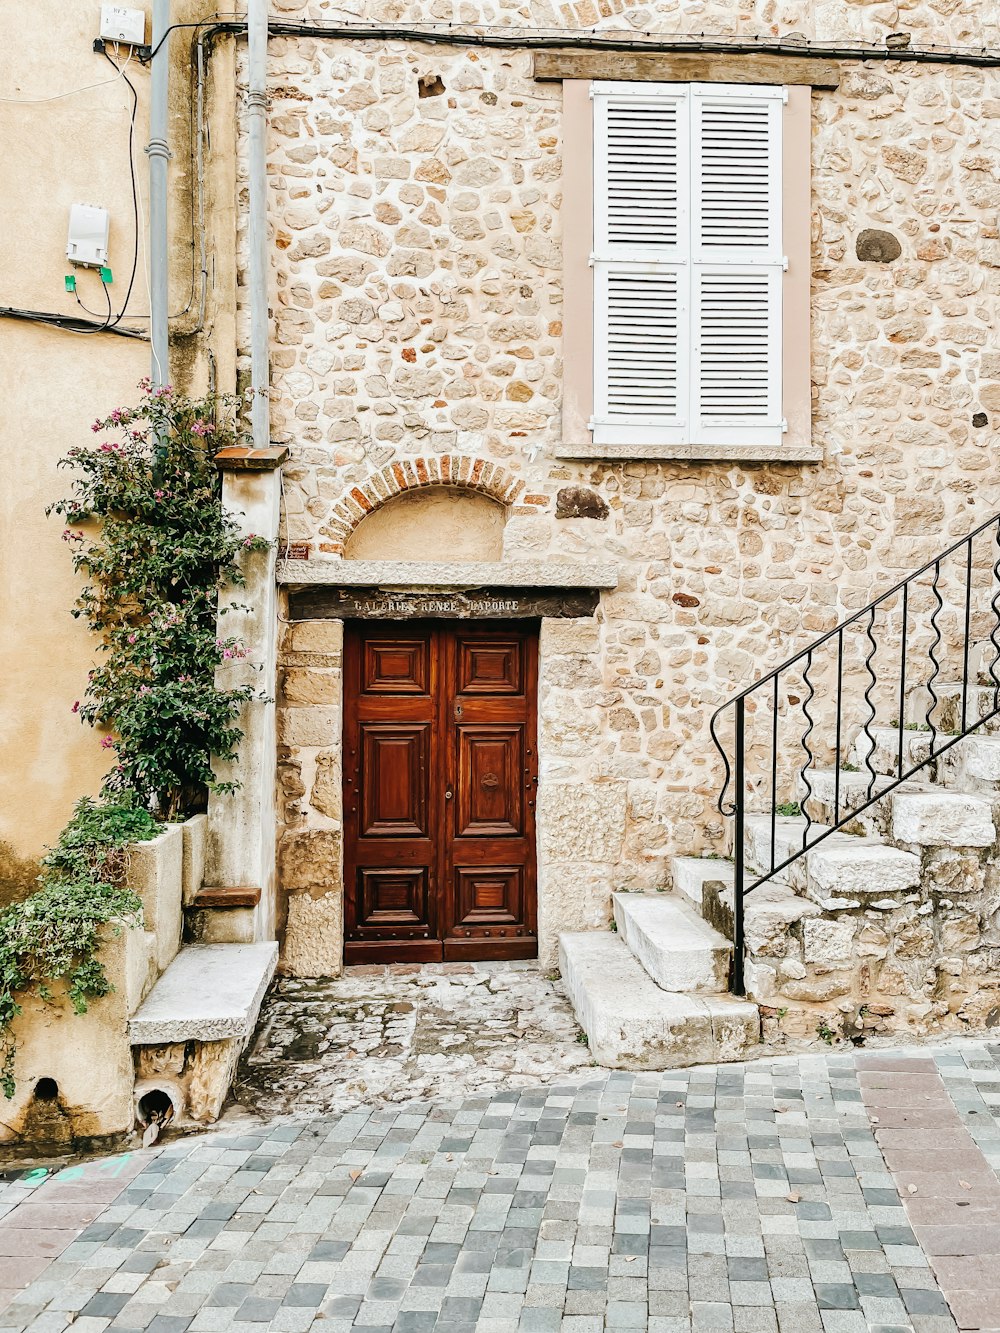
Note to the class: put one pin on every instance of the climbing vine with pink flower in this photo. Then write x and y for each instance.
(146, 525)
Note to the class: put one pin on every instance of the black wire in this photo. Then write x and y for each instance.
(135, 192)
(69, 323)
(96, 313)
(100, 328)
(596, 40)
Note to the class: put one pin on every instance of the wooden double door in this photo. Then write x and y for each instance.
(440, 775)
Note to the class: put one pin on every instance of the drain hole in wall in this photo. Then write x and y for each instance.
(155, 1107)
(46, 1090)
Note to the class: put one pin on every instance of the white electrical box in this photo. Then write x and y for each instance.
(119, 24)
(87, 243)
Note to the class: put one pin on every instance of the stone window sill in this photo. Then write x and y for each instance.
(692, 453)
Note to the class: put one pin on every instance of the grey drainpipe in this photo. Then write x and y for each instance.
(159, 155)
(257, 269)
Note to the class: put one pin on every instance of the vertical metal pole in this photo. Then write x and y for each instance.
(840, 720)
(902, 680)
(774, 775)
(257, 172)
(158, 153)
(739, 984)
(968, 618)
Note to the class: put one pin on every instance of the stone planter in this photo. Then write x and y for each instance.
(74, 1072)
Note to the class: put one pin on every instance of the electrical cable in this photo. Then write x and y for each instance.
(68, 323)
(542, 39)
(136, 206)
(37, 101)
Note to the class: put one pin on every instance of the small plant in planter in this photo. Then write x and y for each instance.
(49, 942)
(162, 551)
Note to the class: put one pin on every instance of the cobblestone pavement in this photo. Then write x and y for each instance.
(392, 1034)
(735, 1197)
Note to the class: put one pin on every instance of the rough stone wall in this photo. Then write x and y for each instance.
(416, 195)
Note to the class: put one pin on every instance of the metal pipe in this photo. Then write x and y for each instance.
(158, 152)
(257, 264)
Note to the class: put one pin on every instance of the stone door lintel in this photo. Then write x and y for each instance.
(410, 576)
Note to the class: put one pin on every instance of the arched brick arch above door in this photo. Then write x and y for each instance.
(459, 470)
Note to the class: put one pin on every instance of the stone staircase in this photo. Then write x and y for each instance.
(891, 926)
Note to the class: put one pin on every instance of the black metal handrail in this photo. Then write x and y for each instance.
(823, 714)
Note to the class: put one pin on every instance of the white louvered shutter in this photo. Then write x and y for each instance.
(642, 268)
(738, 264)
(688, 264)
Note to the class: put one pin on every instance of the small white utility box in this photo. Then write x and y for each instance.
(87, 243)
(119, 24)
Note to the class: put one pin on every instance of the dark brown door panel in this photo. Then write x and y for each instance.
(440, 772)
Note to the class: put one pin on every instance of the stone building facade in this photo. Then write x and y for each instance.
(421, 201)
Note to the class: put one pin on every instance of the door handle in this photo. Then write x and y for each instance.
(448, 793)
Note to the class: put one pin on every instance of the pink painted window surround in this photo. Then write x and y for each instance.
(686, 221)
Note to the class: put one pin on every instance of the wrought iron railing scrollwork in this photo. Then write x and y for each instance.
(773, 735)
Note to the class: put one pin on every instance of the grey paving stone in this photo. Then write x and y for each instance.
(591, 1204)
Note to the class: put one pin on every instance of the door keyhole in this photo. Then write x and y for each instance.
(448, 793)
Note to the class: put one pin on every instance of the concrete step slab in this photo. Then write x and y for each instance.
(942, 819)
(770, 916)
(850, 873)
(691, 874)
(972, 764)
(210, 992)
(981, 701)
(679, 950)
(789, 831)
(632, 1024)
(883, 749)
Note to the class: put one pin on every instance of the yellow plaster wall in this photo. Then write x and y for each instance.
(53, 384)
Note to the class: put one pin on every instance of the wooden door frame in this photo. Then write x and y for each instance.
(441, 886)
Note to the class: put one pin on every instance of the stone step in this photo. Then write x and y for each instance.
(971, 764)
(883, 750)
(788, 839)
(854, 789)
(632, 1024)
(679, 950)
(916, 814)
(845, 869)
(210, 992)
(981, 702)
(770, 914)
(691, 874)
(942, 819)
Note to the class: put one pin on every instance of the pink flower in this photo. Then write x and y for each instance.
(107, 743)
(227, 654)
(145, 384)
(132, 638)
(76, 707)
(202, 428)
(158, 494)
